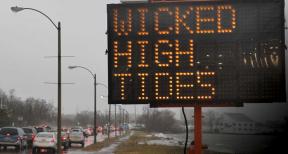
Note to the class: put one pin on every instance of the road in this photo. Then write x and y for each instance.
(75, 149)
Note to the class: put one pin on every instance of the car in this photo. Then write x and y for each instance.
(45, 140)
(30, 133)
(65, 140)
(88, 132)
(80, 129)
(76, 136)
(99, 129)
(13, 136)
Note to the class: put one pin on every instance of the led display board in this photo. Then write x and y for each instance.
(208, 53)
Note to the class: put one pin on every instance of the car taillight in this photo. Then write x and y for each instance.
(19, 138)
(63, 138)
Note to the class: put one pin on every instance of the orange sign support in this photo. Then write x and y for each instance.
(198, 129)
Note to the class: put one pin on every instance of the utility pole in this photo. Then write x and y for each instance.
(135, 115)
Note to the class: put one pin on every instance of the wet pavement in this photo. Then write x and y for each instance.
(75, 149)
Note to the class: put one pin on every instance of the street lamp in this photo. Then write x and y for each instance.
(95, 99)
(115, 124)
(109, 117)
(18, 9)
(120, 119)
(115, 120)
(127, 120)
(95, 107)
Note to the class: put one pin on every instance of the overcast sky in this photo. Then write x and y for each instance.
(27, 37)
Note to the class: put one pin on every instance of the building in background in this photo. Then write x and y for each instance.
(238, 123)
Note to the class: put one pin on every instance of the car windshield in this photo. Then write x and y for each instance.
(45, 135)
(27, 130)
(11, 131)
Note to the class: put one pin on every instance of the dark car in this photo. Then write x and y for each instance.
(30, 132)
(13, 136)
(65, 140)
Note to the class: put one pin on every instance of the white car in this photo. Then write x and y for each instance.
(45, 140)
(76, 136)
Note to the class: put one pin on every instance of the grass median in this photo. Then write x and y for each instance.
(132, 146)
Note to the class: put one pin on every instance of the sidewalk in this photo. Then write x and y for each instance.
(100, 138)
(110, 149)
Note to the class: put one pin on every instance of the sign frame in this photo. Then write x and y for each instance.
(190, 103)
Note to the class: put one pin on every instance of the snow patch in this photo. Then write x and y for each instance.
(160, 135)
(149, 136)
(163, 140)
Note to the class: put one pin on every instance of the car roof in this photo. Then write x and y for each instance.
(10, 127)
(17, 128)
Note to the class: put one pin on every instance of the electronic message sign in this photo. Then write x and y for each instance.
(208, 53)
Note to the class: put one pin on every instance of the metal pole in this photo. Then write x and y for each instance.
(109, 122)
(123, 116)
(120, 120)
(115, 121)
(135, 116)
(128, 121)
(95, 110)
(198, 129)
(59, 91)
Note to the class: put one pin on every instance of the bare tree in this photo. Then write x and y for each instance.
(159, 121)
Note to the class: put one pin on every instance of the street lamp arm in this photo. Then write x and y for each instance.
(102, 85)
(44, 15)
(86, 70)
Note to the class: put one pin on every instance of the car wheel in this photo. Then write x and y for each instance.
(4, 148)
